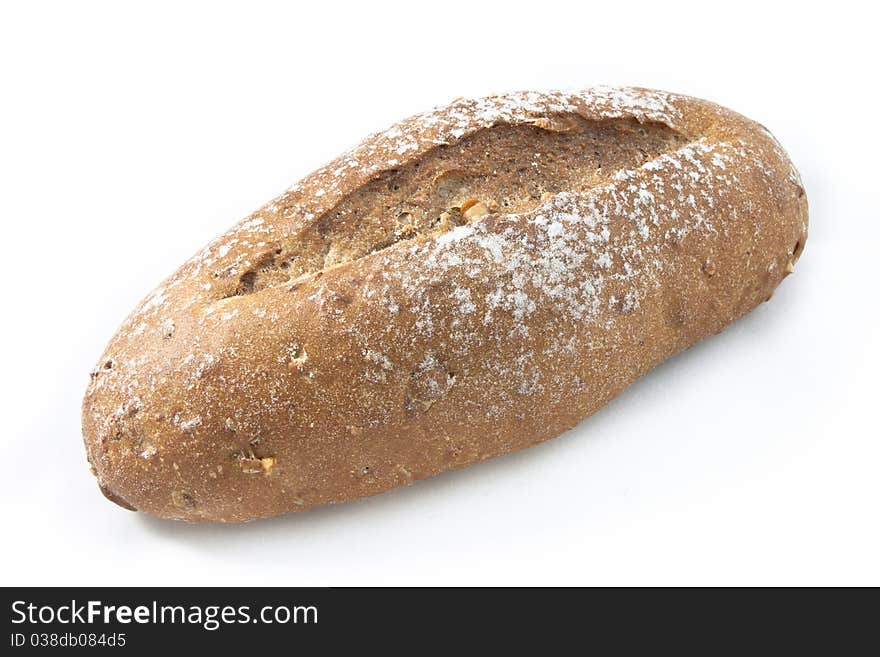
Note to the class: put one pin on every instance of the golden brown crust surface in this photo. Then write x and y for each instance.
(471, 281)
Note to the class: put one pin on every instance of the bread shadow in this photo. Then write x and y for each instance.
(602, 425)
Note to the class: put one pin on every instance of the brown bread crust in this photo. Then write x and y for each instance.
(470, 282)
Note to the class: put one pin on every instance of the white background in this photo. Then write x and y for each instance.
(130, 136)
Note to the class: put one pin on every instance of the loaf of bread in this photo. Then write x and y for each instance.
(469, 282)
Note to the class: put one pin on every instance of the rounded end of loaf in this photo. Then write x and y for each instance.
(156, 446)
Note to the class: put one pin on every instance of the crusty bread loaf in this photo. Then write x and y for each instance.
(470, 282)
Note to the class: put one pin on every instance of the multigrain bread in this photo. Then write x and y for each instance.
(471, 281)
